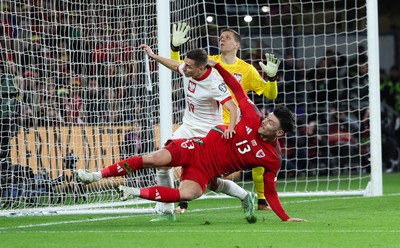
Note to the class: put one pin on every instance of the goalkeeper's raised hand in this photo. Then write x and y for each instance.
(271, 68)
(179, 32)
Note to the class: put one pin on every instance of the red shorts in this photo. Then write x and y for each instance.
(185, 155)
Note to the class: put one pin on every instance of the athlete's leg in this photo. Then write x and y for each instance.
(164, 178)
(157, 159)
(184, 131)
(232, 189)
(258, 179)
(228, 187)
(188, 190)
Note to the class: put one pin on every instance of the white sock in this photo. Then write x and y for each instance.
(135, 192)
(164, 178)
(230, 188)
(97, 175)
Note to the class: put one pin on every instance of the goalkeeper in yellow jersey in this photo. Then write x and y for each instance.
(246, 74)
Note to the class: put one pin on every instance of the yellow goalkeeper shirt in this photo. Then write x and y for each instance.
(247, 76)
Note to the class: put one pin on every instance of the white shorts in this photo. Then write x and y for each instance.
(184, 132)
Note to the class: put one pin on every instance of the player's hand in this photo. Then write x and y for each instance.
(148, 50)
(271, 68)
(295, 220)
(179, 32)
(228, 133)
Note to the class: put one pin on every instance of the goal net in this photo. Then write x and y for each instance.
(77, 93)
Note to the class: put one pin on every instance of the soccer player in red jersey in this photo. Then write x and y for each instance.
(203, 159)
(229, 44)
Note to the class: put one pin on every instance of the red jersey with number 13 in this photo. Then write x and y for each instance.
(246, 149)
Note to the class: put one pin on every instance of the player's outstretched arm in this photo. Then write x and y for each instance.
(169, 63)
(273, 199)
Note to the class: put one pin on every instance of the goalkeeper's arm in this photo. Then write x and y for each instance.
(270, 90)
(179, 32)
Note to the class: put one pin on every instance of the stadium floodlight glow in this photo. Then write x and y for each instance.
(265, 9)
(210, 19)
(248, 18)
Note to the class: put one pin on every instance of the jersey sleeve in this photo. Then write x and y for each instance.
(258, 85)
(272, 195)
(179, 69)
(176, 56)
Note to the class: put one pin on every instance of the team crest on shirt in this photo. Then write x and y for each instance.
(238, 77)
(260, 154)
(192, 86)
(222, 87)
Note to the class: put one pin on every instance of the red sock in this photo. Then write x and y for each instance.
(161, 194)
(123, 167)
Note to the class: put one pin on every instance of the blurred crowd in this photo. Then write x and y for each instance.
(332, 106)
(70, 65)
(64, 63)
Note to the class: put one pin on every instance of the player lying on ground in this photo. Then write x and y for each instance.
(202, 159)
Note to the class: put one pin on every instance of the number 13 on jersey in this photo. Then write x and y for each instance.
(243, 147)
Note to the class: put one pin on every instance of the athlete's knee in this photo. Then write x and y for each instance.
(190, 191)
(149, 159)
(158, 159)
(188, 196)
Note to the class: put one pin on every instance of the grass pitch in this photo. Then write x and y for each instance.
(332, 222)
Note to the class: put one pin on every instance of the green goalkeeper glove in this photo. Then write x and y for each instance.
(271, 68)
(179, 32)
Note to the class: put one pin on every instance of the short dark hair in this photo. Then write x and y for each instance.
(236, 35)
(285, 117)
(199, 56)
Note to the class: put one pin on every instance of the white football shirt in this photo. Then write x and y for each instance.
(204, 99)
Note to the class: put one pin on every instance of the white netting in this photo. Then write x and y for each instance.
(323, 79)
(83, 98)
(83, 90)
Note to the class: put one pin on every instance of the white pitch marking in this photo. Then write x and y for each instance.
(217, 231)
(210, 209)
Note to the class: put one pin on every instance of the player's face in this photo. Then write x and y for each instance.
(191, 70)
(227, 42)
(270, 127)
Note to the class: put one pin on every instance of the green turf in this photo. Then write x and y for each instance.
(332, 222)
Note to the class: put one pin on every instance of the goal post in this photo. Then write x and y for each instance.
(163, 30)
(88, 97)
(375, 106)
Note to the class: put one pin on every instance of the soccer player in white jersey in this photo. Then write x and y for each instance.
(205, 93)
